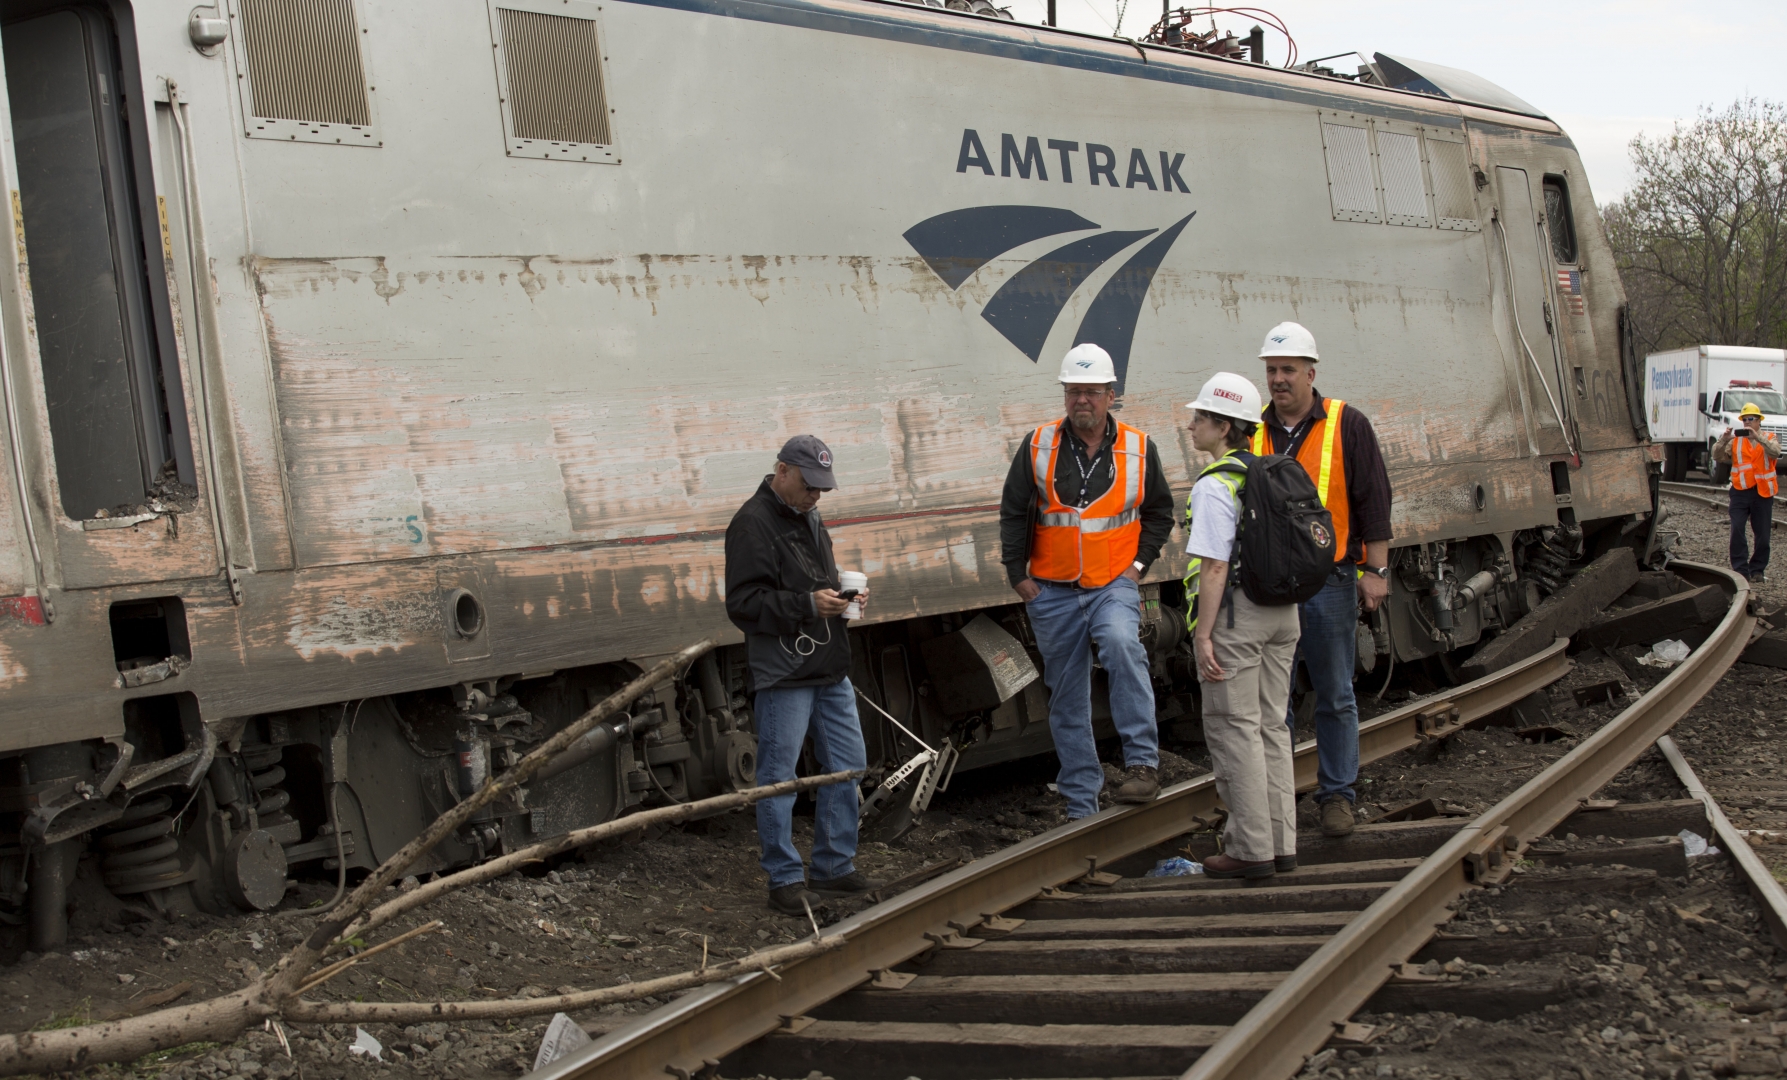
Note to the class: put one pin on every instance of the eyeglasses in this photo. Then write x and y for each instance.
(1086, 391)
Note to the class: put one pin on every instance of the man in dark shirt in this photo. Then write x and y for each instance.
(1297, 424)
(1075, 551)
(782, 591)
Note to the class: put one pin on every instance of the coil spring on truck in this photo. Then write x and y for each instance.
(142, 852)
(271, 798)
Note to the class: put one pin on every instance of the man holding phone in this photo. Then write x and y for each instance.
(1752, 455)
(784, 591)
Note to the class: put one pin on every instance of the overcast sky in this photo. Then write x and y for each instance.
(1604, 69)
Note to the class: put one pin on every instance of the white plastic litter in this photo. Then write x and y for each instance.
(1175, 867)
(1666, 654)
(1695, 845)
(563, 1037)
(367, 1046)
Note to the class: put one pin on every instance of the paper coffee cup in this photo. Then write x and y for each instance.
(850, 579)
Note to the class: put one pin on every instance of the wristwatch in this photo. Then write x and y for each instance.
(1138, 566)
(1380, 571)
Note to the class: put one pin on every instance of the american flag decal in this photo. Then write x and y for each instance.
(1569, 282)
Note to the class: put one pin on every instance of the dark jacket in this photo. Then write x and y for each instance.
(776, 558)
(1367, 480)
(1017, 507)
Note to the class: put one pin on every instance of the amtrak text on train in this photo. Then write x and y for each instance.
(1026, 161)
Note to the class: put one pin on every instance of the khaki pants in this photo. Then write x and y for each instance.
(1250, 746)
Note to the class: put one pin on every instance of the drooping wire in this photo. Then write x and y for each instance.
(1261, 14)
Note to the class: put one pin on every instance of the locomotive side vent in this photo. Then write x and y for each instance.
(550, 74)
(1405, 186)
(304, 77)
(1454, 195)
(1352, 181)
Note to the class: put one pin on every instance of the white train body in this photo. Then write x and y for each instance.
(474, 374)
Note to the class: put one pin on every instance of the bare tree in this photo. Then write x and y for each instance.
(1701, 238)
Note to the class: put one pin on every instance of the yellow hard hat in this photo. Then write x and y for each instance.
(1749, 409)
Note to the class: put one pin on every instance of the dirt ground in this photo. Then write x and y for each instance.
(1685, 984)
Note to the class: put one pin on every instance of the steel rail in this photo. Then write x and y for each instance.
(1300, 1015)
(1705, 493)
(1768, 891)
(702, 1027)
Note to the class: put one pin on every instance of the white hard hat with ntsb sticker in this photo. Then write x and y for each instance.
(1230, 395)
(1087, 364)
(1289, 339)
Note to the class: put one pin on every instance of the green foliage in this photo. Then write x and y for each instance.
(79, 1016)
(1701, 238)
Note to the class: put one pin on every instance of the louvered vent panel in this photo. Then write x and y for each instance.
(1405, 191)
(554, 68)
(1351, 183)
(304, 61)
(1452, 185)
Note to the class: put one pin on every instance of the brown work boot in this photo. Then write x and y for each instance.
(1140, 785)
(1337, 817)
(1226, 866)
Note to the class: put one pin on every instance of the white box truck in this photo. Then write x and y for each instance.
(1693, 395)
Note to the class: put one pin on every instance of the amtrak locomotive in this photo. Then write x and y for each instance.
(380, 376)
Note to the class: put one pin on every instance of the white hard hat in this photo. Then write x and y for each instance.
(1289, 339)
(1087, 364)
(1230, 395)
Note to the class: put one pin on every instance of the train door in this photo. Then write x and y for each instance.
(1525, 283)
(118, 444)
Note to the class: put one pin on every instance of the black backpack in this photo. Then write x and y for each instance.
(1284, 545)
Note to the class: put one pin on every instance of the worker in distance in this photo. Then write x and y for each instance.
(1245, 650)
(1338, 448)
(1752, 454)
(1085, 511)
(782, 590)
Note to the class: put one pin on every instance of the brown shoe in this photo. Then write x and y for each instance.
(1223, 866)
(1140, 785)
(1337, 817)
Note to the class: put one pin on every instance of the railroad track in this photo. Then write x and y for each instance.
(1038, 961)
(1710, 494)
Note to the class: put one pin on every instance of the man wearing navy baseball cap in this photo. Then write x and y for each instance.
(782, 591)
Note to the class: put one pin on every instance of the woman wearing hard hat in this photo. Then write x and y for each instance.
(1244, 657)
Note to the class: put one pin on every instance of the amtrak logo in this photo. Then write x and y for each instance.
(1024, 310)
(1279, 339)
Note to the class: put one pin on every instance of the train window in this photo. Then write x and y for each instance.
(1559, 221)
(1352, 179)
(117, 414)
(1454, 195)
(549, 66)
(1405, 189)
(306, 72)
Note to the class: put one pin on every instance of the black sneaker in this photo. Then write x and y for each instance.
(851, 884)
(786, 899)
(1284, 864)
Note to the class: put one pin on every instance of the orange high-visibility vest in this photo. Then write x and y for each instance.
(1324, 459)
(1750, 467)
(1094, 544)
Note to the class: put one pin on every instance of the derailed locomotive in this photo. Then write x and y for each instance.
(380, 377)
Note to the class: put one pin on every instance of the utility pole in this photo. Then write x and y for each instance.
(1051, 12)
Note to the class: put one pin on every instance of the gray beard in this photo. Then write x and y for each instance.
(1085, 426)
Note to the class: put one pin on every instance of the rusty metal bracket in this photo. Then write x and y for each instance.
(952, 940)
(1095, 876)
(999, 924)
(889, 979)
(793, 1025)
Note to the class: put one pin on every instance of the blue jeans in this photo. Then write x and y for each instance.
(1330, 621)
(1749, 508)
(1067, 622)
(786, 715)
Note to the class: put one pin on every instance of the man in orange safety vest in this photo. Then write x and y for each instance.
(1752, 455)
(1085, 511)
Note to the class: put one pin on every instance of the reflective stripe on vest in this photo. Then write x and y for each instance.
(1093, 544)
(1324, 459)
(1194, 569)
(1750, 468)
